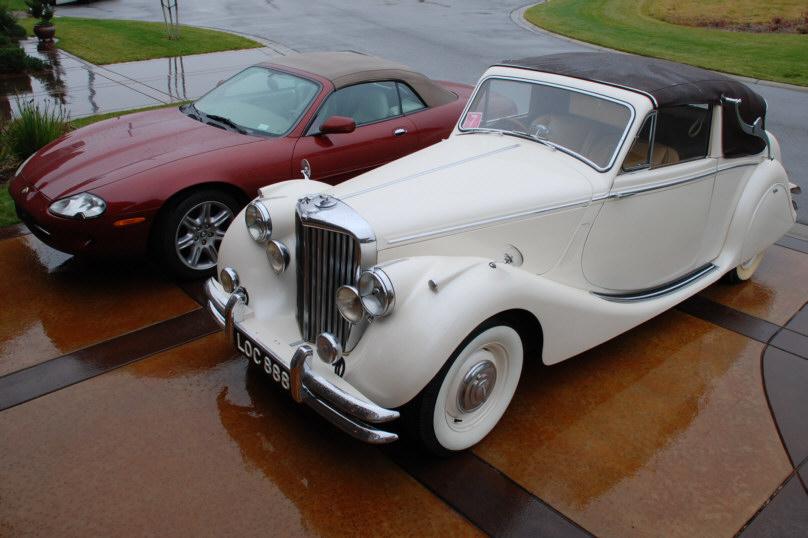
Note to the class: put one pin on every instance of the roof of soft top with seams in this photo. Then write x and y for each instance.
(668, 83)
(345, 68)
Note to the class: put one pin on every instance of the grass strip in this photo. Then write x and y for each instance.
(627, 26)
(111, 41)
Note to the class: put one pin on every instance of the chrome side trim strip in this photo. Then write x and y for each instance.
(433, 170)
(658, 292)
(532, 212)
(649, 188)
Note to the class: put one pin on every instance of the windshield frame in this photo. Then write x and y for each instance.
(463, 128)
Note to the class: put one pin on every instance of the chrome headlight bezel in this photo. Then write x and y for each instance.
(376, 292)
(81, 206)
(258, 222)
(229, 279)
(278, 256)
(349, 304)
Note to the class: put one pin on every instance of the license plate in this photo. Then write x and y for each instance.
(261, 357)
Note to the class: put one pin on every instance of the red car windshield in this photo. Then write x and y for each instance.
(259, 101)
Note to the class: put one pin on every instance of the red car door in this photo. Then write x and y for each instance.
(335, 157)
(379, 132)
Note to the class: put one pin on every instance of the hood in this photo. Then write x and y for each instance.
(121, 147)
(463, 183)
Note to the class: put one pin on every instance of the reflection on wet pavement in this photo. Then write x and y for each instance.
(778, 289)
(188, 440)
(666, 430)
(55, 303)
(84, 89)
(668, 416)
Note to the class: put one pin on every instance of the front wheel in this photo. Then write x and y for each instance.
(744, 271)
(467, 398)
(190, 231)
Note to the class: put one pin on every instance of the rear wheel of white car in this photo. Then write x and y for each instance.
(467, 398)
(190, 232)
(744, 271)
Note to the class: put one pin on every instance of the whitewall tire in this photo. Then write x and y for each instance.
(468, 397)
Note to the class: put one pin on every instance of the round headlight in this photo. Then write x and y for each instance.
(229, 279)
(376, 292)
(256, 217)
(79, 206)
(278, 256)
(328, 348)
(349, 305)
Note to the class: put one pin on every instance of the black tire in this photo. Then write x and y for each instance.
(454, 412)
(189, 231)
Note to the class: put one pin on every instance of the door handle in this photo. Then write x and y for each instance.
(400, 131)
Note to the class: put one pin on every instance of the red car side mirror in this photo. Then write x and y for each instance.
(338, 124)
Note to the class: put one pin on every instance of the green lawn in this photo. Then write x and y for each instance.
(109, 41)
(627, 26)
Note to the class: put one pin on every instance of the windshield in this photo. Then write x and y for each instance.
(258, 101)
(587, 126)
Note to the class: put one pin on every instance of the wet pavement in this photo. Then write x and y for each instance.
(85, 89)
(124, 410)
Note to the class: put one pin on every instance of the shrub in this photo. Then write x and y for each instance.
(8, 23)
(35, 127)
(12, 59)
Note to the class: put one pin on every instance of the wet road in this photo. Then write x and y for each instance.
(123, 410)
(448, 39)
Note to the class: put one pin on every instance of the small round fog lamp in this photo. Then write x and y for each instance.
(256, 217)
(349, 305)
(229, 279)
(278, 256)
(328, 348)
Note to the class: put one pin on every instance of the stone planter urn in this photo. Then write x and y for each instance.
(44, 32)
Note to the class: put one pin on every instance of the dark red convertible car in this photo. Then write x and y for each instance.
(168, 182)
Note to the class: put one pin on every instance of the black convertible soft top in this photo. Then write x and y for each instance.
(666, 83)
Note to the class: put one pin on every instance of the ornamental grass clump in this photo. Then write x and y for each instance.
(35, 127)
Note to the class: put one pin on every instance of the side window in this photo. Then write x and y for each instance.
(640, 155)
(684, 129)
(410, 102)
(364, 103)
(671, 135)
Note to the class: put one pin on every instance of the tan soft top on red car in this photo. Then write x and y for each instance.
(348, 68)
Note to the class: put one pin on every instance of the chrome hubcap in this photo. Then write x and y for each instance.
(476, 386)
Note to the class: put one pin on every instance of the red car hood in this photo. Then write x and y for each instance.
(121, 147)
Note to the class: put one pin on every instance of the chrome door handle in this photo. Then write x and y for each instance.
(400, 131)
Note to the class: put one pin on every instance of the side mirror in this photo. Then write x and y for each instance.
(338, 124)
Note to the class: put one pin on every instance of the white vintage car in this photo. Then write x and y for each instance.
(578, 196)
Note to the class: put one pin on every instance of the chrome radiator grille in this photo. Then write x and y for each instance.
(326, 260)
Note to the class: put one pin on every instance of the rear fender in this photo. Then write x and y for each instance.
(764, 212)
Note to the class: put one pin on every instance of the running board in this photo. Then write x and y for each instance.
(658, 292)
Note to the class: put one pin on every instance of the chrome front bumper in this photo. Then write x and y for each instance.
(351, 414)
